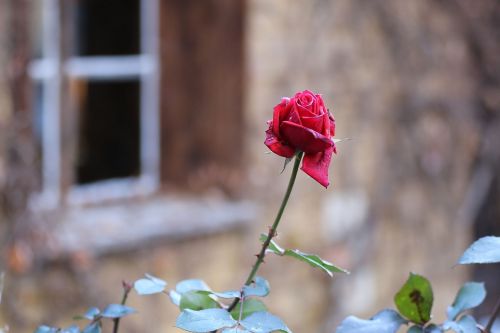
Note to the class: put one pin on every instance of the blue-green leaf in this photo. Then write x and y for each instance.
(466, 324)
(197, 300)
(227, 294)
(386, 321)
(117, 311)
(427, 329)
(250, 305)
(414, 300)
(235, 330)
(71, 329)
(93, 328)
(433, 328)
(46, 329)
(264, 322)
(315, 261)
(191, 284)
(149, 285)
(91, 313)
(204, 320)
(469, 296)
(186, 286)
(175, 297)
(485, 250)
(260, 287)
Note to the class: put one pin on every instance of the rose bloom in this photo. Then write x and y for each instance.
(303, 123)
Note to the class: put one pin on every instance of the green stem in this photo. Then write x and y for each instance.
(116, 321)
(272, 230)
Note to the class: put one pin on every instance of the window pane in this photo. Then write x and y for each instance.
(108, 139)
(36, 29)
(107, 27)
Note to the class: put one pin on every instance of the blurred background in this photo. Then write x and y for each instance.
(131, 141)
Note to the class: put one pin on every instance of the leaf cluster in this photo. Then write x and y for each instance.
(205, 310)
(415, 299)
(94, 316)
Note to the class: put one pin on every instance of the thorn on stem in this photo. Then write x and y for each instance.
(127, 286)
(272, 232)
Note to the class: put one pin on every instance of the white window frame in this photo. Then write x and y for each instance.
(50, 70)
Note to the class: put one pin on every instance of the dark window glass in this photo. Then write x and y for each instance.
(36, 29)
(108, 145)
(107, 27)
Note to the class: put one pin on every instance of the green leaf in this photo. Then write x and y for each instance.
(315, 261)
(414, 299)
(311, 259)
(91, 313)
(264, 322)
(46, 329)
(273, 246)
(386, 321)
(485, 250)
(93, 328)
(196, 300)
(260, 287)
(469, 296)
(204, 320)
(466, 324)
(117, 311)
(250, 305)
(149, 285)
(191, 284)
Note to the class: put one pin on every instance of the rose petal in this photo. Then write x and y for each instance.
(315, 123)
(276, 145)
(303, 112)
(304, 138)
(280, 113)
(316, 166)
(332, 124)
(294, 117)
(326, 125)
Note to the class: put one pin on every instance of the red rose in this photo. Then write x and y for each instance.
(302, 123)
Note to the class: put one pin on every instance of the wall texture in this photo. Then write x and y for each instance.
(405, 81)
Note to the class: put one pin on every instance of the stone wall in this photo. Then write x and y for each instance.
(403, 81)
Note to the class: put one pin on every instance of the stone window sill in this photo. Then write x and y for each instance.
(131, 224)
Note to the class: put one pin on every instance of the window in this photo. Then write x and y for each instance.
(96, 99)
(102, 123)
